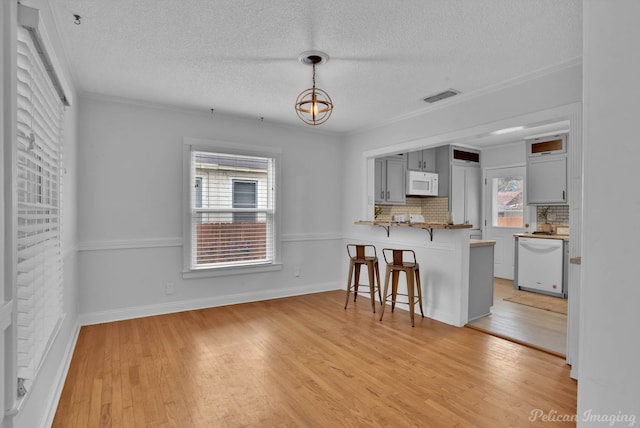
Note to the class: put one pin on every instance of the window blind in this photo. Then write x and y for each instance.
(39, 259)
(232, 210)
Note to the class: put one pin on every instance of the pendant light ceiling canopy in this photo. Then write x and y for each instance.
(314, 105)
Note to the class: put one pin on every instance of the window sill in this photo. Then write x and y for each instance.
(226, 271)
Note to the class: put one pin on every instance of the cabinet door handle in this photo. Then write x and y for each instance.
(563, 196)
(420, 164)
(388, 194)
(382, 194)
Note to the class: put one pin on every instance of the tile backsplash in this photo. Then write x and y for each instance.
(557, 215)
(436, 210)
(433, 209)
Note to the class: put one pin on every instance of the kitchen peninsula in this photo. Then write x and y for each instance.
(428, 226)
(444, 255)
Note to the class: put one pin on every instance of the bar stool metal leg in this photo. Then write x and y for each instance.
(377, 268)
(395, 265)
(385, 293)
(410, 292)
(351, 266)
(419, 287)
(372, 290)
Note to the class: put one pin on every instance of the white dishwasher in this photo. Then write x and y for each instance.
(540, 266)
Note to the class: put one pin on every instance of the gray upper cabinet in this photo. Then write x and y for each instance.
(422, 160)
(390, 180)
(547, 180)
(547, 170)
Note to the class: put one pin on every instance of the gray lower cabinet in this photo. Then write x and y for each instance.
(480, 278)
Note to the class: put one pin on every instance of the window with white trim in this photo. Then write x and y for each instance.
(39, 267)
(232, 209)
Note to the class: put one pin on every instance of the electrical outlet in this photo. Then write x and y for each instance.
(170, 289)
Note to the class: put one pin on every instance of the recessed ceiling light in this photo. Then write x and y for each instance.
(507, 130)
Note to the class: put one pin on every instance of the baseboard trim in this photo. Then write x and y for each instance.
(203, 303)
(61, 377)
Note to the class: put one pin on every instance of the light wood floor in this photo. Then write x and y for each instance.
(306, 362)
(540, 328)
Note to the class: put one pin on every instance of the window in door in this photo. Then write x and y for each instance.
(508, 201)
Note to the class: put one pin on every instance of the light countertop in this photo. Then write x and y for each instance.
(481, 242)
(423, 225)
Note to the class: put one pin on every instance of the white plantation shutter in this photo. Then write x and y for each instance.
(39, 258)
(232, 207)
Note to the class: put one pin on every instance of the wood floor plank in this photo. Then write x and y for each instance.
(305, 361)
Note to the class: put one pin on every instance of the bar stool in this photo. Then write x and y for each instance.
(363, 255)
(396, 264)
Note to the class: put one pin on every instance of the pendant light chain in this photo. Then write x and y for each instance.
(314, 75)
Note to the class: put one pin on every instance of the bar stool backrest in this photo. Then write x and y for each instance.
(397, 257)
(360, 251)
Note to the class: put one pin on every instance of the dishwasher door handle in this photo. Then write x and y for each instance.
(540, 248)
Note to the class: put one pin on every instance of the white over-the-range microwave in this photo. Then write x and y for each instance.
(422, 183)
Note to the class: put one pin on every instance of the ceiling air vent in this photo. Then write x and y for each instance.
(441, 96)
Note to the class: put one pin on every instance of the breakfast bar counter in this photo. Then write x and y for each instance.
(444, 258)
(429, 227)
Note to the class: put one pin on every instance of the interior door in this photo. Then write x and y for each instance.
(505, 214)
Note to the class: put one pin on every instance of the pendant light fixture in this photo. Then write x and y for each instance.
(313, 105)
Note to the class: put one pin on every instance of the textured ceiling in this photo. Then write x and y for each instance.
(240, 57)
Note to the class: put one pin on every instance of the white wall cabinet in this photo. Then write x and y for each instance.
(422, 160)
(390, 180)
(547, 180)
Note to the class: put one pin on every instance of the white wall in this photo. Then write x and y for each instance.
(609, 347)
(130, 210)
(505, 155)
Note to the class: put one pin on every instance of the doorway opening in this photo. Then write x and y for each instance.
(540, 328)
(533, 319)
